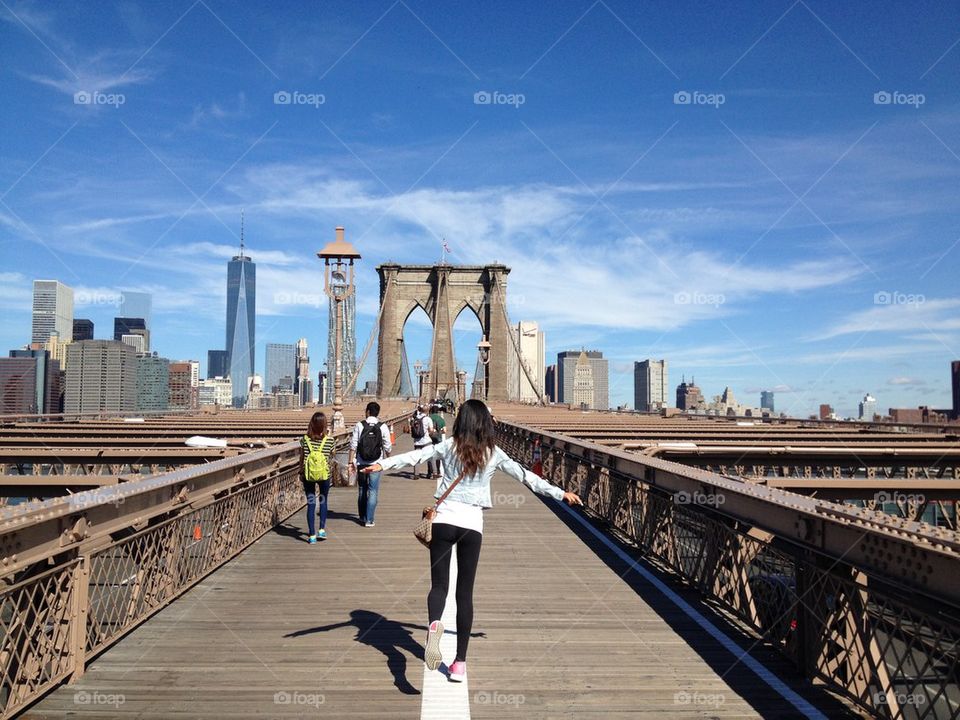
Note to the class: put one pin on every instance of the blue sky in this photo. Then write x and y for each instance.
(792, 227)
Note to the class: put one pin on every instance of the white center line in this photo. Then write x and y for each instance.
(442, 699)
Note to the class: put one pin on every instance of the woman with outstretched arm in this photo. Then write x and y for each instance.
(470, 458)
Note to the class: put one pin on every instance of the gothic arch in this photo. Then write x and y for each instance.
(443, 291)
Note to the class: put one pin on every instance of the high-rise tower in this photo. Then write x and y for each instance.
(241, 321)
(52, 310)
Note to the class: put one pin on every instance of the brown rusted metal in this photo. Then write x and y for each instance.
(864, 602)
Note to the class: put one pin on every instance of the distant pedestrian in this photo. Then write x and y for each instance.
(316, 449)
(420, 428)
(436, 437)
(470, 459)
(369, 444)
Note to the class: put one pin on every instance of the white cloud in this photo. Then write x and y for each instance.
(931, 314)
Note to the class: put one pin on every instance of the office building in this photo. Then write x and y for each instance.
(766, 400)
(322, 386)
(530, 340)
(153, 383)
(255, 392)
(241, 322)
(868, 408)
(955, 382)
(582, 383)
(826, 412)
(52, 310)
(689, 397)
(123, 326)
(183, 390)
(550, 382)
(136, 305)
(281, 367)
(194, 373)
(56, 346)
(217, 365)
(215, 391)
(137, 342)
(101, 377)
(29, 383)
(650, 386)
(303, 384)
(566, 365)
(82, 329)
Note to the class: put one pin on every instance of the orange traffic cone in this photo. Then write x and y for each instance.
(197, 533)
(537, 459)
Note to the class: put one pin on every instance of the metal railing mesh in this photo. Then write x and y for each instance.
(863, 638)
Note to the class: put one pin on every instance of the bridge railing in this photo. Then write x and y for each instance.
(81, 571)
(861, 602)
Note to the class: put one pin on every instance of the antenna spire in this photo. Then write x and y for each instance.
(241, 233)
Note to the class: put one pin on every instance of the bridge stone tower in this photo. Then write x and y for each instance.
(443, 291)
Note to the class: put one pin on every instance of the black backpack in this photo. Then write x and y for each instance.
(370, 444)
(416, 427)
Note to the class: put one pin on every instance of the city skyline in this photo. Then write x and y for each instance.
(797, 237)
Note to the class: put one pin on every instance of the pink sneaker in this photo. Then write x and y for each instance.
(458, 672)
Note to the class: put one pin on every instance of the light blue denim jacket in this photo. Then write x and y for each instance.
(475, 489)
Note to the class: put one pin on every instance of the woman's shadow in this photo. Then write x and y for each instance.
(388, 636)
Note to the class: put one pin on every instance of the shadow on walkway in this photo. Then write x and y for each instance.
(388, 636)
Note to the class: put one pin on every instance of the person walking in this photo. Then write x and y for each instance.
(369, 444)
(421, 426)
(470, 459)
(316, 449)
(436, 436)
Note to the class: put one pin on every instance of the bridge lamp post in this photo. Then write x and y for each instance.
(483, 355)
(418, 369)
(338, 285)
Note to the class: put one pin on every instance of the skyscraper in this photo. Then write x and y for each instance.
(868, 408)
(217, 365)
(550, 382)
(127, 326)
(101, 376)
(29, 383)
(52, 310)
(582, 382)
(531, 342)
(650, 385)
(136, 305)
(566, 365)
(304, 386)
(135, 340)
(689, 396)
(82, 329)
(153, 383)
(955, 378)
(281, 367)
(241, 322)
(766, 400)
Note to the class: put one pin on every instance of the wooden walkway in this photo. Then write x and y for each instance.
(335, 630)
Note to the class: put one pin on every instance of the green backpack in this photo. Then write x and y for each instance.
(315, 466)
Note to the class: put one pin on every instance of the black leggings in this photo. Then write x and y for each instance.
(468, 554)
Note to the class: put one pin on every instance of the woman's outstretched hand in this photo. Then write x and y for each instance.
(376, 467)
(572, 499)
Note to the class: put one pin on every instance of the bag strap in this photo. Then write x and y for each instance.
(449, 489)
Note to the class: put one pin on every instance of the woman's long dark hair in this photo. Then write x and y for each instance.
(474, 436)
(318, 426)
